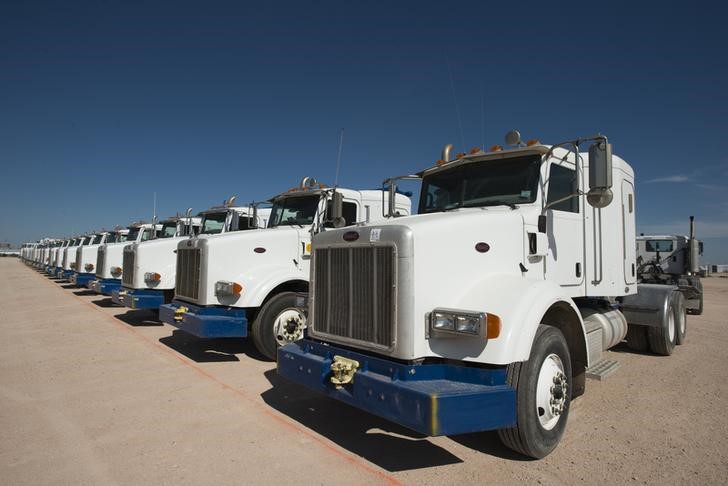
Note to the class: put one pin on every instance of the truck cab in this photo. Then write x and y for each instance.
(109, 256)
(487, 309)
(86, 258)
(69, 256)
(50, 261)
(58, 255)
(673, 260)
(148, 267)
(229, 285)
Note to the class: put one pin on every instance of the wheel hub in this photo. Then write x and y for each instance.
(289, 326)
(552, 391)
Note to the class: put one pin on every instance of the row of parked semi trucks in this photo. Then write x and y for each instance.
(486, 310)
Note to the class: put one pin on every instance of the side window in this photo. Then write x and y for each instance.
(349, 211)
(562, 183)
(147, 234)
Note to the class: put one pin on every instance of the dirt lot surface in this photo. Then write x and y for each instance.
(92, 394)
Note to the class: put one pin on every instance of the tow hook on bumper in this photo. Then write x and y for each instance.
(179, 313)
(342, 371)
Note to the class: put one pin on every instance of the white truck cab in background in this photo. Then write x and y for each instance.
(68, 264)
(149, 276)
(86, 258)
(487, 309)
(255, 282)
(109, 256)
(673, 260)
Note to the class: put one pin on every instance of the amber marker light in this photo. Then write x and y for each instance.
(496, 148)
(532, 142)
(493, 326)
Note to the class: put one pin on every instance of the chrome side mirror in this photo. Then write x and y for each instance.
(600, 174)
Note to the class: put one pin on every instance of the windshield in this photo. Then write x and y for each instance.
(294, 210)
(488, 183)
(658, 245)
(121, 237)
(168, 230)
(213, 223)
(97, 239)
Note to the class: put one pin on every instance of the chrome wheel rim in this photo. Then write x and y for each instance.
(552, 390)
(289, 326)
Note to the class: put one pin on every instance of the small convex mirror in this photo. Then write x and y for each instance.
(600, 174)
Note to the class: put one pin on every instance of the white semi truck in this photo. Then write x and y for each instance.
(109, 256)
(149, 269)
(58, 257)
(673, 260)
(148, 263)
(253, 282)
(487, 309)
(86, 258)
(68, 263)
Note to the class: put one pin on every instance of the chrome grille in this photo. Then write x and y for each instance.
(79, 268)
(187, 282)
(100, 261)
(65, 259)
(354, 294)
(127, 269)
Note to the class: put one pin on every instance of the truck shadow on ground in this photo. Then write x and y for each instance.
(104, 302)
(210, 350)
(67, 285)
(140, 318)
(82, 293)
(379, 441)
(622, 348)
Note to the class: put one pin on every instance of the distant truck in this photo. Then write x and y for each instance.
(673, 260)
(149, 269)
(108, 257)
(86, 258)
(255, 282)
(68, 264)
(489, 308)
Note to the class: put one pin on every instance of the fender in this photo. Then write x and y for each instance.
(266, 278)
(522, 305)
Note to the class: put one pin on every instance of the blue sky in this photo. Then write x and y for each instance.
(104, 103)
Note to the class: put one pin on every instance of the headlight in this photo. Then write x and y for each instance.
(458, 322)
(73, 265)
(89, 267)
(152, 277)
(115, 271)
(225, 288)
(443, 322)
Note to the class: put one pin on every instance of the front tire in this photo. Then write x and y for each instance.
(543, 395)
(280, 321)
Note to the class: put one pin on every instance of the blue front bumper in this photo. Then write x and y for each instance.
(205, 322)
(432, 399)
(81, 279)
(67, 274)
(142, 298)
(105, 286)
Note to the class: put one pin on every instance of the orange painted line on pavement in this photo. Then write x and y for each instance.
(269, 413)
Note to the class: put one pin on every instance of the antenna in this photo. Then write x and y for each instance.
(455, 99)
(338, 157)
(482, 115)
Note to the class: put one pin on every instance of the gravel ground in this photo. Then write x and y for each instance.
(91, 394)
